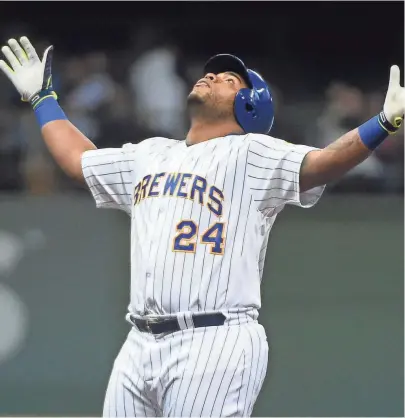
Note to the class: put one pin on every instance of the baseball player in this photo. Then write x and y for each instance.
(201, 213)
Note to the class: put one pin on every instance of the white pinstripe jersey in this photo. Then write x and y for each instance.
(201, 215)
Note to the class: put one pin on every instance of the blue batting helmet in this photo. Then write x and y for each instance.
(253, 106)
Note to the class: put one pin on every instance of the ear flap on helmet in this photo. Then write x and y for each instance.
(254, 107)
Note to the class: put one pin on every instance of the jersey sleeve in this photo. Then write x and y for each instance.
(109, 175)
(273, 174)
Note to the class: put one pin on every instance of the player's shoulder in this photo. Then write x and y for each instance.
(159, 140)
(149, 144)
(266, 141)
(274, 147)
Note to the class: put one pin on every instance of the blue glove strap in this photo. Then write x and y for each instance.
(46, 107)
(374, 131)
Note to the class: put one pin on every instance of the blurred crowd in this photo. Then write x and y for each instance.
(130, 95)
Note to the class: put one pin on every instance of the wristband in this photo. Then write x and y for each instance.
(374, 131)
(46, 107)
(391, 129)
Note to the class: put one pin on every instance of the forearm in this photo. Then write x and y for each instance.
(64, 141)
(331, 163)
(66, 145)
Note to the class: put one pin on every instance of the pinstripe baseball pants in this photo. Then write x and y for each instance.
(213, 371)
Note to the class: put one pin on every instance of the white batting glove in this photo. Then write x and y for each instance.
(394, 105)
(26, 71)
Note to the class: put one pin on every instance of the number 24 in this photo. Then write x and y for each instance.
(214, 236)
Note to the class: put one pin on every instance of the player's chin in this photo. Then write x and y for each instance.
(196, 97)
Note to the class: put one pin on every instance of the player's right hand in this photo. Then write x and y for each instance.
(25, 70)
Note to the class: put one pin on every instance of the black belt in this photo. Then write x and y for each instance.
(163, 325)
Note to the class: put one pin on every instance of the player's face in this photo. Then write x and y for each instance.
(214, 94)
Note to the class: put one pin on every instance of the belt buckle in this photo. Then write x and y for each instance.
(150, 321)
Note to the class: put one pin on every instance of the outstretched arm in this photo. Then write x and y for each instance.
(33, 80)
(67, 145)
(332, 162)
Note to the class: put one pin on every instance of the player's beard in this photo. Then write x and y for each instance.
(208, 109)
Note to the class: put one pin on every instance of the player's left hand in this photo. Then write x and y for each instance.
(26, 71)
(394, 105)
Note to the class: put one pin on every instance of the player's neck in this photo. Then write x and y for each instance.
(202, 131)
